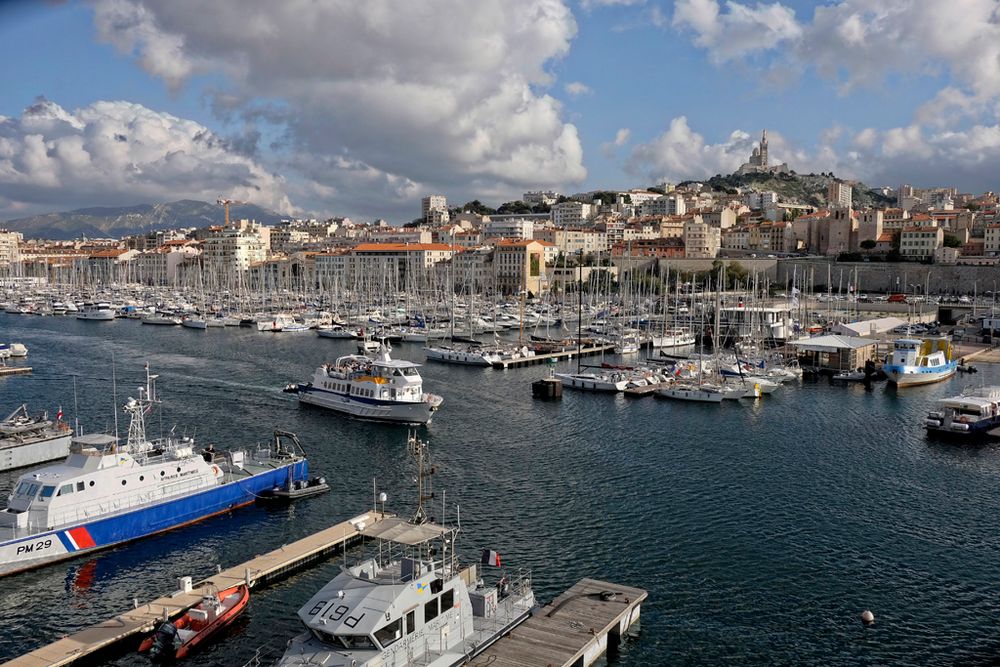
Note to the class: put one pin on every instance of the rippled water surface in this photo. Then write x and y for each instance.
(760, 530)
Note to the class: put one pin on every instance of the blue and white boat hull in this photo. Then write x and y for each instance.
(24, 553)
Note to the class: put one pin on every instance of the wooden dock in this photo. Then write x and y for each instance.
(561, 355)
(573, 630)
(257, 572)
(14, 370)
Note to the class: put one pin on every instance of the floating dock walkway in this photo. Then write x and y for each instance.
(562, 355)
(14, 370)
(259, 571)
(573, 630)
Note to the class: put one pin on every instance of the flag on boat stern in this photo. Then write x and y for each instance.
(491, 558)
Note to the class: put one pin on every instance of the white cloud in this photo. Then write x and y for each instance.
(576, 89)
(621, 138)
(110, 152)
(445, 93)
(680, 154)
(857, 42)
(967, 158)
(590, 4)
(738, 31)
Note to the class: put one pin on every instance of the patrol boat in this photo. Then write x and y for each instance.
(410, 602)
(380, 388)
(920, 361)
(27, 440)
(106, 493)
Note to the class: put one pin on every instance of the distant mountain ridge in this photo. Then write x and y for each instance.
(119, 221)
(801, 188)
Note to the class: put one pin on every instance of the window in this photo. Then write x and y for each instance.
(124, 482)
(431, 610)
(91, 482)
(80, 486)
(411, 621)
(447, 600)
(47, 492)
(390, 633)
(65, 490)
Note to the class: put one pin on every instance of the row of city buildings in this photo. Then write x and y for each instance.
(533, 251)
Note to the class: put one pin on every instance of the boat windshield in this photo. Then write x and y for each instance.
(390, 633)
(350, 642)
(26, 490)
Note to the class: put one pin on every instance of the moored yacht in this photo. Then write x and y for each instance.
(409, 601)
(471, 355)
(676, 337)
(379, 388)
(613, 382)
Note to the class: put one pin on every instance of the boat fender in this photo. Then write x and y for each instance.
(216, 471)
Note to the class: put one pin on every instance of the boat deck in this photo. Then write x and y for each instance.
(258, 571)
(574, 629)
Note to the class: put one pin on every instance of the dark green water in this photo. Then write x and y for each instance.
(761, 531)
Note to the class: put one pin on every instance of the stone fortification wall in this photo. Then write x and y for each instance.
(903, 277)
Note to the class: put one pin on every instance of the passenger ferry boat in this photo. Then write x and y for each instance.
(27, 440)
(105, 493)
(408, 601)
(379, 388)
(969, 414)
(917, 361)
(100, 311)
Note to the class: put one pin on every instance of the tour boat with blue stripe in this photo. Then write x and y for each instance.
(379, 388)
(106, 493)
(917, 361)
(974, 412)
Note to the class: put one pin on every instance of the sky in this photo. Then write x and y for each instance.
(346, 108)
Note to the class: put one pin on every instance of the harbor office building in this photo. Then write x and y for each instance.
(835, 353)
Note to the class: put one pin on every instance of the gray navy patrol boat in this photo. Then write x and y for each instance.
(410, 602)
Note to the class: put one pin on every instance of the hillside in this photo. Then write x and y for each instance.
(799, 188)
(125, 220)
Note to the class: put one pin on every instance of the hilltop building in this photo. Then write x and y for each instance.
(759, 163)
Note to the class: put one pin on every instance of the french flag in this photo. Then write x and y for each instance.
(491, 558)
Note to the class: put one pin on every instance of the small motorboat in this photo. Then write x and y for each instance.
(174, 640)
(298, 489)
(851, 376)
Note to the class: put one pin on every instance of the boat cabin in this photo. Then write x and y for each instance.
(99, 478)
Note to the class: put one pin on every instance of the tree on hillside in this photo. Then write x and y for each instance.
(951, 241)
(477, 207)
(514, 207)
(869, 244)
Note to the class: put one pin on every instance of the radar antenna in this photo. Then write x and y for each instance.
(420, 453)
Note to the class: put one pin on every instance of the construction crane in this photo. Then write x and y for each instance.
(227, 203)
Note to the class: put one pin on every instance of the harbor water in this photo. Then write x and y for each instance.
(760, 529)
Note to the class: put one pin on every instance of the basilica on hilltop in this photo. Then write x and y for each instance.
(758, 163)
